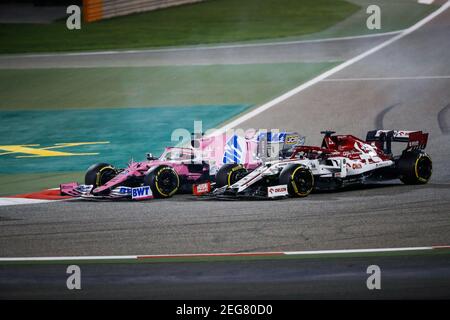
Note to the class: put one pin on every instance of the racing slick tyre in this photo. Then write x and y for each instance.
(415, 167)
(229, 174)
(299, 179)
(98, 174)
(163, 181)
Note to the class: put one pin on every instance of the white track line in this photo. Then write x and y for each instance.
(18, 201)
(330, 72)
(193, 48)
(87, 258)
(387, 78)
(245, 254)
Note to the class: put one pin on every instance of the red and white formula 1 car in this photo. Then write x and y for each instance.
(342, 160)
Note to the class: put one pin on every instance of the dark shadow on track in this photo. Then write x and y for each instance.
(379, 119)
(443, 119)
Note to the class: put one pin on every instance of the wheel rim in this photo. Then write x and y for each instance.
(167, 182)
(105, 175)
(302, 182)
(424, 168)
(236, 176)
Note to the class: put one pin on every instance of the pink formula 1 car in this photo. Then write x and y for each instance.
(177, 169)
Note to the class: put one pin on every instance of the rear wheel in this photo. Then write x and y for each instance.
(229, 174)
(299, 179)
(164, 181)
(415, 168)
(98, 174)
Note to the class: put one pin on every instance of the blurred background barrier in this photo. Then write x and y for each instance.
(94, 10)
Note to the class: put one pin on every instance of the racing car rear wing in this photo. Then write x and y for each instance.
(417, 140)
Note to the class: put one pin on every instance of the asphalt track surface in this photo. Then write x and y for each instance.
(331, 278)
(402, 86)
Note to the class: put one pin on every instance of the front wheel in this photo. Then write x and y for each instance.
(229, 174)
(163, 181)
(299, 179)
(98, 174)
(415, 167)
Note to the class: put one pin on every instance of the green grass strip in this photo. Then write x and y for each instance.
(124, 87)
(12, 184)
(211, 21)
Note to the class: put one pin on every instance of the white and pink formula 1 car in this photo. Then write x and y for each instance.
(340, 161)
(178, 169)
